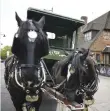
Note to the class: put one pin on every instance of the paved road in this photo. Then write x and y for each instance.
(102, 97)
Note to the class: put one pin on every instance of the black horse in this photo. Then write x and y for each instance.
(24, 71)
(76, 76)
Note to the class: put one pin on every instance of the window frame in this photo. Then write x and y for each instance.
(98, 57)
(88, 36)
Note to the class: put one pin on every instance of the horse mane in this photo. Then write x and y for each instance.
(79, 63)
(91, 78)
(91, 66)
(90, 70)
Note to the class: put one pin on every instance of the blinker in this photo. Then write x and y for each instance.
(32, 98)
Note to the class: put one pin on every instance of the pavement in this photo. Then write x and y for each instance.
(102, 97)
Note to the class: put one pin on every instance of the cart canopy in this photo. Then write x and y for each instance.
(58, 24)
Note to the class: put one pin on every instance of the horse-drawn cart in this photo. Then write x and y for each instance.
(62, 41)
(45, 59)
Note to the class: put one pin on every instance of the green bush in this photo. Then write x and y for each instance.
(3, 52)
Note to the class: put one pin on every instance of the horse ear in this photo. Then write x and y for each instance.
(18, 19)
(84, 56)
(41, 22)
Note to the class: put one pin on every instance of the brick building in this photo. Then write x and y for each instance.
(96, 37)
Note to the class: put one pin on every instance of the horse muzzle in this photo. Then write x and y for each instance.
(18, 73)
(32, 98)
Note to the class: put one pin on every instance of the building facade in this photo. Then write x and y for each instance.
(95, 35)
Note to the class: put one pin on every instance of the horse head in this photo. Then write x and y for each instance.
(29, 45)
(82, 75)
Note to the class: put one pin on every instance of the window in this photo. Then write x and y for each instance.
(107, 58)
(88, 36)
(60, 42)
(50, 35)
(98, 57)
(106, 35)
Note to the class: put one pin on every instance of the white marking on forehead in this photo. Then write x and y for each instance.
(36, 85)
(31, 39)
(68, 74)
(30, 21)
(29, 83)
(76, 52)
(32, 34)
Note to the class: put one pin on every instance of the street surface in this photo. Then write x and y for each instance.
(102, 97)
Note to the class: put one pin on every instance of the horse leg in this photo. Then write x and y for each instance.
(17, 97)
(17, 104)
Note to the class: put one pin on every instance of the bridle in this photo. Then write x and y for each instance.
(80, 72)
(17, 66)
(91, 87)
(71, 73)
(17, 72)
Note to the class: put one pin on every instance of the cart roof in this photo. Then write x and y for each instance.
(58, 24)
